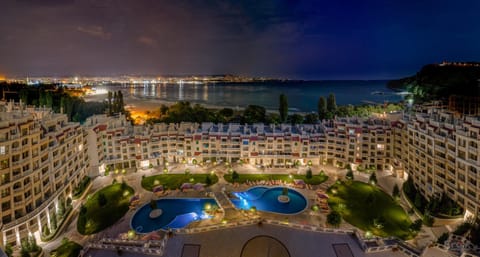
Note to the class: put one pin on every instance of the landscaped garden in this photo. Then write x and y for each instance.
(104, 208)
(174, 181)
(67, 249)
(370, 209)
(242, 178)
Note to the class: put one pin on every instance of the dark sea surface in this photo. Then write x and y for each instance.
(302, 96)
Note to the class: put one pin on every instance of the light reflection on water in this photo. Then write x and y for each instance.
(302, 96)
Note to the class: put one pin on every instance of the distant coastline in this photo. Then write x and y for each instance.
(302, 95)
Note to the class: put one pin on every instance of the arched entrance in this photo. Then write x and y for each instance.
(264, 246)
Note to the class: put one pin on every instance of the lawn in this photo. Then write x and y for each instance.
(67, 249)
(242, 178)
(174, 181)
(370, 209)
(93, 217)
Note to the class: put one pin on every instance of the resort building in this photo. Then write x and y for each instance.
(441, 154)
(42, 159)
(120, 146)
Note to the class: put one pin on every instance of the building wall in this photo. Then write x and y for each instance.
(441, 154)
(42, 159)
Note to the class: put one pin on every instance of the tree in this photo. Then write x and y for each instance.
(283, 108)
(235, 176)
(418, 200)
(163, 109)
(61, 208)
(254, 114)
(273, 118)
(309, 174)
(49, 99)
(322, 108)
(121, 104)
(208, 180)
(396, 191)
(441, 239)
(331, 103)
(349, 175)
(416, 225)
(46, 230)
(53, 220)
(102, 199)
(110, 104)
(334, 218)
(311, 118)
(295, 119)
(408, 186)
(372, 179)
(9, 250)
(153, 204)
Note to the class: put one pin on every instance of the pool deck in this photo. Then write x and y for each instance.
(229, 243)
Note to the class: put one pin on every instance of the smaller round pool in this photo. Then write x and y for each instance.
(176, 213)
(267, 199)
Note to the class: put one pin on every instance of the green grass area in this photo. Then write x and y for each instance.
(242, 178)
(93, 217)
(174, 181)
(370, 209)
(67, 249)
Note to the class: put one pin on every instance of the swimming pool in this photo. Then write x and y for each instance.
(176, 213)
(266, 199)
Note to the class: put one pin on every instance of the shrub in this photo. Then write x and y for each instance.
(309, 174)
(416, 225)
(441, 239)
(9, 250)
(53, 220)
(349, 175)
(102, 199)
(462, 228)
(396, 191)
(428, 220)
(46, 230)
(208, 180)
(334, 218)
(235, 176)
(373, 178)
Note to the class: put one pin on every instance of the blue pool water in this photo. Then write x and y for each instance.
(176, 213)
(266, 199)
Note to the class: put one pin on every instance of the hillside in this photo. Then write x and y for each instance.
(438, 81)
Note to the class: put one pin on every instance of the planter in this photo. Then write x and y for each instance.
(283, 199)
(155, 213)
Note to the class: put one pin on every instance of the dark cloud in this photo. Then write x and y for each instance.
(286, 38)
(95, 31)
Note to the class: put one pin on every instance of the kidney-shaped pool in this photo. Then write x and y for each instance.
(173, 213)
(276, 199)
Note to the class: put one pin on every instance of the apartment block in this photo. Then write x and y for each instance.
(42, 159)
(441, 153)
(118, 145)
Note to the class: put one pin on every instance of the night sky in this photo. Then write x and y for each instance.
(334, 39)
